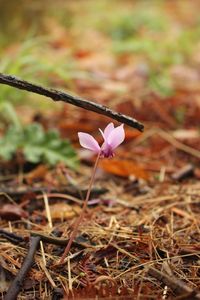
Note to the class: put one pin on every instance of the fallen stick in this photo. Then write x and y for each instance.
(57, 241)
(17, 190)
(57, 95)
(17, 283)
(17, 239)
(178, 286)
(11, 237)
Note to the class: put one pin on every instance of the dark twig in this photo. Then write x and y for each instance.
(17, 283)
(185, 172)
(17, 190)
(57, 241)
(176, 285)
(11, 237)
(17, 239)
(74, 100)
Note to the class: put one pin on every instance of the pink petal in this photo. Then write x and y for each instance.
(116, 137)
(102, 133)
(109, 128)
(87, 141)
(107, 131)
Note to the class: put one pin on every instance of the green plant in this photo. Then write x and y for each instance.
(22, 63)
(126, 25)
(161, 83)
(37, 145)
(30, 62)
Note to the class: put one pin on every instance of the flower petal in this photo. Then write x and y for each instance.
(102, 133)
(87, 141)
(116, 137)
(109, 128)
(107, 131)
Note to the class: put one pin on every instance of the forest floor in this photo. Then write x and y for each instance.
(140, 236)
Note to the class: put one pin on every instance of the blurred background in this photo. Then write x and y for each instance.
(141, 58)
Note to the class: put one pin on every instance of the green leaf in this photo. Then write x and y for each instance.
(7, 109)
(38, 146)
(34, 134)
(9, 143)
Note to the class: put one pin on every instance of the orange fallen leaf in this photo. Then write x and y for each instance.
(75, 126)
(124, 168)
(38, 173)
(131, 134)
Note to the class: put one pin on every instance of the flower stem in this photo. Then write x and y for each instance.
(73, 234)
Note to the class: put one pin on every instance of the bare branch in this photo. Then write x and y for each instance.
(17, 283)
(178, 286)
(67, 98)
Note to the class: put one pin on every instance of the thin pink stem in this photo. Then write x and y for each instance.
(74, 232)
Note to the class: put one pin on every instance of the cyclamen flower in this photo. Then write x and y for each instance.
(113, 137)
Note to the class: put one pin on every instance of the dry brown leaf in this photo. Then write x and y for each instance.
(12, 212)
(124, 168)
(63, 211)
(75, 126)
(38, 173)
(131, 134)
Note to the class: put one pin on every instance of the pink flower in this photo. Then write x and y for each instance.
(113, 137)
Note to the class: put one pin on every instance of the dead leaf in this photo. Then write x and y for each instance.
(124, 168)
(63, 211)
(75, 126)
(12, 212)
(132, 134)
(38, 173)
